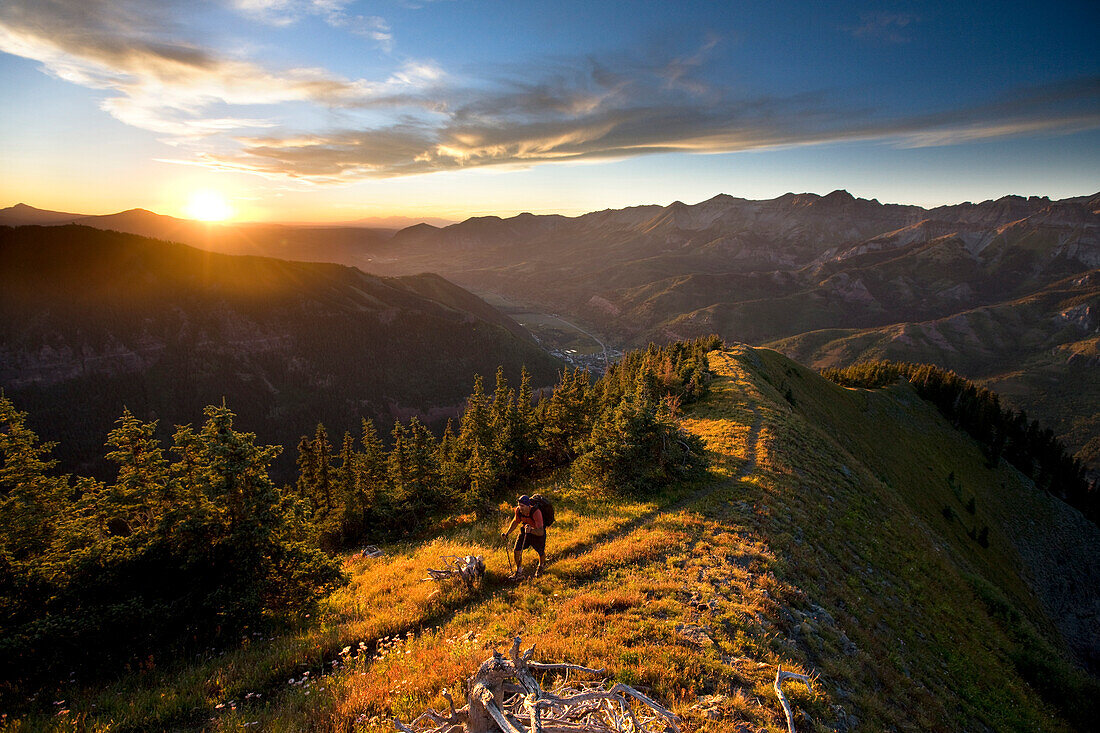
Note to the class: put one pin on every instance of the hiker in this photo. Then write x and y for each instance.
(533, 533)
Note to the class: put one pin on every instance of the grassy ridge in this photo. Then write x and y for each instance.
(818, 543)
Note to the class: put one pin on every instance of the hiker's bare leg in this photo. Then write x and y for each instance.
(542, 561)
(519, 561)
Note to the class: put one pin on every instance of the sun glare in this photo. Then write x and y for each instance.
(208, 206)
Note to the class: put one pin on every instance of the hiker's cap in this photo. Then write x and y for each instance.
(525, 499)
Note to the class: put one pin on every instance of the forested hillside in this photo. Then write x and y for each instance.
(94, 321)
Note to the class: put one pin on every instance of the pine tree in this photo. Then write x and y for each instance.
(368, 505)
(137, 500)
(481, 478)
(347, 481)
(237, 536)
(372, 463)
(423, 473)
(398, 468)
(526, 425)
(501, 400)
(323, 490)
(567, 416)
(31, 501)
(475, 426)
(308, 465)
(454, 482)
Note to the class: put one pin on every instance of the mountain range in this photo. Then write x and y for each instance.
(1005, 292)
(304, 243)
(856, 535)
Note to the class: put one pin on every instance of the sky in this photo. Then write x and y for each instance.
(338, 110)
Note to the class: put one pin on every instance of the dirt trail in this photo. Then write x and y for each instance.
(747, 469)
(753, 438)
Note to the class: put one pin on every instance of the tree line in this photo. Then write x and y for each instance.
(1002, 432)
(616, 434)
(191, 544)
(193, 548)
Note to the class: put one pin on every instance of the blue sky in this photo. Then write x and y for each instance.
(335, 109)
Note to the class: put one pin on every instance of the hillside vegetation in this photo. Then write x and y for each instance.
(833, 537)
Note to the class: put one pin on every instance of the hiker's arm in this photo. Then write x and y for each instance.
(515, 521)
(537, 517)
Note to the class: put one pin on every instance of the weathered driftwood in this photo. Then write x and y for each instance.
(780, 678)
(370, 551)
(504, 697)
(469, 569)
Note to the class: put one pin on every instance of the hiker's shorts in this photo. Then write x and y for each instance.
(536, 542)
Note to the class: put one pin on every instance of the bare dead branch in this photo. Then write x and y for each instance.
(402, 727)
(470, 569)
(780, 678)
(561, 667)
(496, 704)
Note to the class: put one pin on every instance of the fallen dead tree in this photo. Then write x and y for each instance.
(504, 696)
(780, 678)
(469, 569)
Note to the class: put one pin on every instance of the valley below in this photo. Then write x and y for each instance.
(1005, 292)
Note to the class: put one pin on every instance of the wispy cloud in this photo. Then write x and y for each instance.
(884, 26)
(418, 4)
(333, 12)
(420, 119)
(160, 82)
(596, 113)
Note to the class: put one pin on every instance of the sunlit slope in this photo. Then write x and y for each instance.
(819, 543)
(865, 499)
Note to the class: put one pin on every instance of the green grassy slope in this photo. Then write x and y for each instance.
(1038, 351)
(884, 485)
(819, 543)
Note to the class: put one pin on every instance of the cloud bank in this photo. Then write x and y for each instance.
(421, 119)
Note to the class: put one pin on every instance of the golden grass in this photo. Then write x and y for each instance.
(695, 596)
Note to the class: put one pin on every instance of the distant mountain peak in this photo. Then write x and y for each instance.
(24, 214)
(421, 227)
(839, 195)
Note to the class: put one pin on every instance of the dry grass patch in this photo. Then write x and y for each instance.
(693, 597)
(645, 545)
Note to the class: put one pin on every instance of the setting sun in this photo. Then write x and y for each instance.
(208, 206)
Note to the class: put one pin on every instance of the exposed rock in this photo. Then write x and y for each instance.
(695, 635)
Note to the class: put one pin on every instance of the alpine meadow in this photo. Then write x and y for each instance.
(454, 366)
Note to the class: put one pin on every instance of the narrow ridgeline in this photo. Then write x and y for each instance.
(854, 536)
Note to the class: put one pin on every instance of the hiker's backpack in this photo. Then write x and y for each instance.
(543, 504)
